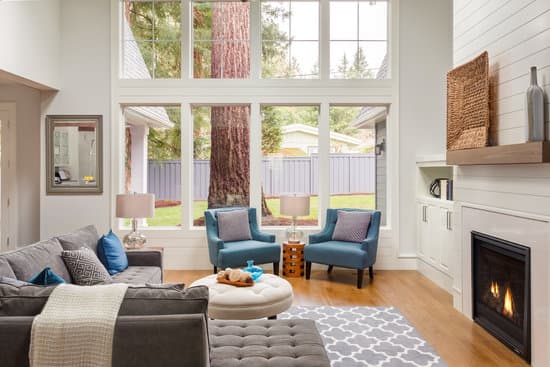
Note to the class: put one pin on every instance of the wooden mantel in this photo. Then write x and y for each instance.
(526, 153)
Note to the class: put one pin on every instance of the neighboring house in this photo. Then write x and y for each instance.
(139, 120)
(305, 139)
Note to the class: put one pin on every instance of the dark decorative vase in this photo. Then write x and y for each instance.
(535, 109)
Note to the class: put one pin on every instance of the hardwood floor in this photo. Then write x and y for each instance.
(459, 341)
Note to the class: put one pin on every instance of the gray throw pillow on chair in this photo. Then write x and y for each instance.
(351, 226)
(233, 225)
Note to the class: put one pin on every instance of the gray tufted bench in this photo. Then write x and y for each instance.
(266, 343)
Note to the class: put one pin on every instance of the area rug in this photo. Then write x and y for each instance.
(368, 336)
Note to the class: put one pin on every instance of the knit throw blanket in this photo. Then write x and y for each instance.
(76, 326)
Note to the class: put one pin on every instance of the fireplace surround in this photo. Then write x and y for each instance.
(501, 291)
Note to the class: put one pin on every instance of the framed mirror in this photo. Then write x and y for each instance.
(74, 162)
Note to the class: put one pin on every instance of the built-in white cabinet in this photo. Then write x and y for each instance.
(435, 225)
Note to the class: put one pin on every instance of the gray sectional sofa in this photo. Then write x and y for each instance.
(158, 325)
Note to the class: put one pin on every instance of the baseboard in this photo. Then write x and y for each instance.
(442, 280)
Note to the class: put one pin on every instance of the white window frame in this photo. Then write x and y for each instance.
(255, 92)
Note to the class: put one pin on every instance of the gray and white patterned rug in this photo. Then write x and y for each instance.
(368, 336)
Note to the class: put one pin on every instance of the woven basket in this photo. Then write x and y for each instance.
(468, 105)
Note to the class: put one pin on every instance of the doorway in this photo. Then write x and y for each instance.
(8, 215)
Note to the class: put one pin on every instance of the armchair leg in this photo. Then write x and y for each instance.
(371, 273)
(276, 268)
(215, 270)
(308, 269)
(329, 268)
(360, 273)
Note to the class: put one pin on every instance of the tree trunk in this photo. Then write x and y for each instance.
(230, 137)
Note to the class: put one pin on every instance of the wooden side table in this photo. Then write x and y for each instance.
(293, 259)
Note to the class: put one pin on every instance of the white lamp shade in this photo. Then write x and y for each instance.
(135, 205)
(295, 205)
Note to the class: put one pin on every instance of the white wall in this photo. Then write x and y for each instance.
(30, 40)
(84, 89)
(28, 153)
(425, 56)
(516, 34)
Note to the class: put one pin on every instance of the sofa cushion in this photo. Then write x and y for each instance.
(85, 267)
(12, 281)
(139, 275)
(233, 225)
(351, 226)
(111, 253)
(28, 300)
(5, 268)
(46, 277)
(85, 236)
(281, 343)
(29, 260)
(338, 253)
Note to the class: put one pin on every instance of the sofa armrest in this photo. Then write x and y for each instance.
(169, 340)
(144, 258)
(15, 334)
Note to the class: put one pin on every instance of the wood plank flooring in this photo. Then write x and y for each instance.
(459, 341)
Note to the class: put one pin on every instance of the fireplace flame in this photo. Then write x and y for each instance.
(508, 309)
(495, 291)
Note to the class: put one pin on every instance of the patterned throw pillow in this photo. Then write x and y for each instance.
(233, 225)
(85, 267)
(351, 226)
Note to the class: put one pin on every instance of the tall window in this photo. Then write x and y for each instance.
(357, 158)
(358, 39)
(153, 159)
(221, 162)
(290, 39)
(221, 40)
(151, 39)
(290, 160)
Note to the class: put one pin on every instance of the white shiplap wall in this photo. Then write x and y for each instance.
(516, 33)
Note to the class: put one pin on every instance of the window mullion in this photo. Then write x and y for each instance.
(186, 127)
(324, 164)
(324, 39)
(256, 158)
(255, 40)
(187, 40)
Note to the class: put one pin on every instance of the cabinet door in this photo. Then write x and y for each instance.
(423, 230)
(434, 222)
(446, 238)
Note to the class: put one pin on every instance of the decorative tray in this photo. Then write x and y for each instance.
(236, 284)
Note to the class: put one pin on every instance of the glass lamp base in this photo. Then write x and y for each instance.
(294, 235)
(134, 240)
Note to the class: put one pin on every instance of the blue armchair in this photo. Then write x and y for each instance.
(261, 248)
(323, 250)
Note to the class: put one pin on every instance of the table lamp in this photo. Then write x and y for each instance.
(294, 205)
(135, 206)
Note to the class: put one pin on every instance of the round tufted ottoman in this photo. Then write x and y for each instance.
(269, 296)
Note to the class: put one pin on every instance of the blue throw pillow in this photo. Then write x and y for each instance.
(46, 277)
(111, 253)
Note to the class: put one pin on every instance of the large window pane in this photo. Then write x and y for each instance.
(221, 40)
(221, 163)
(156, 26)
(357, 157)
(358, 39)
(153, 159)
(290, 39)
(290, 161)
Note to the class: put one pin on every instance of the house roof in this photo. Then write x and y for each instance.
(306, 129)
(371, 115)
(135, 68)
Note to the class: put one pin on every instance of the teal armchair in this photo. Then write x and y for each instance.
(354, 255)
(261, 248)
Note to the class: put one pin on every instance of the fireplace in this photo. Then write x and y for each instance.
(501, 291)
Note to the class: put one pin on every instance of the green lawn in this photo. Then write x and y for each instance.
(171, 216)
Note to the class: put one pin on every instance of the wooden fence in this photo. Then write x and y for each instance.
(349, 173)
